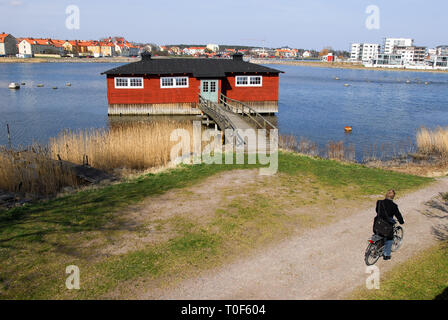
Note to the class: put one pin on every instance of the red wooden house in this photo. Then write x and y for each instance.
(173, 86)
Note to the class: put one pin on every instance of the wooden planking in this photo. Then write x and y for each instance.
(152, 93)
(154, 109)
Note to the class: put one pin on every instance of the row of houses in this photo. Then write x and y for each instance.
(212, 50)
(399, 53)
(30, 47)
(118, 46)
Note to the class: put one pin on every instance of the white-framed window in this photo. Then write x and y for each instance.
(249, 81)
(128, 83)
(174, 82)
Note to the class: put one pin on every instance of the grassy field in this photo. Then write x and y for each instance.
(425, 277)
(37, 242)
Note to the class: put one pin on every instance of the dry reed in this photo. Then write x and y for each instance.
(303, 146)
(433, 141)
(139, 146)
(32, 171)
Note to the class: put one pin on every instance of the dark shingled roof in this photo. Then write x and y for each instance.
(199, 68)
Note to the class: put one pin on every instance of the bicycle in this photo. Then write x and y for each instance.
(375, 249)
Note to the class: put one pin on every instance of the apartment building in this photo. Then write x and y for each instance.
(364, 52)
(391, 43)
(441, 62)
(411, 54)
(442, 50)
(388, 60)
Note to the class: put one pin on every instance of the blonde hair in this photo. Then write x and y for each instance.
(388, 193)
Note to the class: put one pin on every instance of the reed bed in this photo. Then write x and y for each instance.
(31, 171)
(433, 141)
(303, 145)
(335, 150)
(138, 146)
(36, 170)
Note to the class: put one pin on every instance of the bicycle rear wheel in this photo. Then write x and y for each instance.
(398, 238)
(372, 254)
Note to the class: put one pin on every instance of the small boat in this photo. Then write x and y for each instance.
(408, 81)
(40, 85)
(346, 85)
(23, 83)
(54, 88)
(426, 82)
(14, 85)
(348, 129)
(68, 84)
(336, 78)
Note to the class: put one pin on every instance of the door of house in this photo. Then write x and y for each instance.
(210, 90)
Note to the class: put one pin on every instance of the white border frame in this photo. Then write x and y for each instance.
(248, 81)
(129, 83)
(175, 82)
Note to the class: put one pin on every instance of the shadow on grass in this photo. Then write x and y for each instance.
(437, 209)
(95, 209)
(443, 295)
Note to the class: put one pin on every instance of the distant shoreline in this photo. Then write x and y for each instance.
(68, 60)
(337, 65)
(312, 63)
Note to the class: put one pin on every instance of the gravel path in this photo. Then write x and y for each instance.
(324, 263)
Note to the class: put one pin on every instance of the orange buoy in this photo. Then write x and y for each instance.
(348, 129)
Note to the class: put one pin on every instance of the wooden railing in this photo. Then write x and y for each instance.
(212, 109)
(236, 106)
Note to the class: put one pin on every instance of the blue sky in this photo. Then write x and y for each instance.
(302, 24)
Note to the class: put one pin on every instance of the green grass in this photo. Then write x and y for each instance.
(39, 240)
(337, 174)
(424, 277)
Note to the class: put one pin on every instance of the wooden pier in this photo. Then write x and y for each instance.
(233, 114)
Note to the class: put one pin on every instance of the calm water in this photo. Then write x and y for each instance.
(380, 105)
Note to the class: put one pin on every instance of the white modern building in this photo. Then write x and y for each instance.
(387, 61)
(432, 52)
(364, 52)
(411, 55)
(391, 43)
(442, 50)
(441, 62)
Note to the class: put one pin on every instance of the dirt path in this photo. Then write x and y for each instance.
(324, 263)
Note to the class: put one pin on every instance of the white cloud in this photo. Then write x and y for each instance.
(15, 3)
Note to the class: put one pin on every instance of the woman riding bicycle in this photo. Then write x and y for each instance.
(386, 210)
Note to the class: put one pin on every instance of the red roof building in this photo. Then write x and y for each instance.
(173, 86)
(8, 44)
